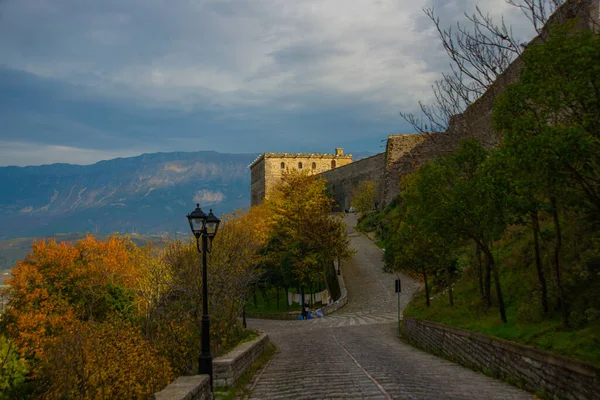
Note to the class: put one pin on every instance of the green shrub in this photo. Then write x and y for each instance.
(13, 369)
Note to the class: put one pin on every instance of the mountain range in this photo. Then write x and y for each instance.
(149, 194)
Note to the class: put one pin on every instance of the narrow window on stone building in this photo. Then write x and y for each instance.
(332, 164)
(314, 165)
(282, 165)
(299, 165)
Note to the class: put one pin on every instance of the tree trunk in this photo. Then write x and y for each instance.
(449, 283)
(479, 270)
(254, 297)
(494, 268)
(487, 288)
(535, 222)
(265, 296)
(557, 248)
(277, 289)
(426, 287)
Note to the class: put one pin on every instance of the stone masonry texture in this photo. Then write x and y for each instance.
(195, 387)
(533, 369)
(268, 168)
(341, 182)
(228, 368)
(355, 353)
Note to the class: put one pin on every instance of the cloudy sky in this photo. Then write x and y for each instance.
(85, 80)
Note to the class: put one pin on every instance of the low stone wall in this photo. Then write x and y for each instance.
(228, 369)
(195, 387)
(339, 303)
(278, 316)
(527, 367)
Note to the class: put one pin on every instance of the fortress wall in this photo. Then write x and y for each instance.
(407, 152)
(342, 181)
(257, 185)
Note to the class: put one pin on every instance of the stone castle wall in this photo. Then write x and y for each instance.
(342, 181)
(532, 369)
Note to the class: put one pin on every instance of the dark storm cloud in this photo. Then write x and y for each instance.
(117, 77)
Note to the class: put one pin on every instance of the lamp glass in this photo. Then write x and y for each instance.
(212, 224)
(197, 220)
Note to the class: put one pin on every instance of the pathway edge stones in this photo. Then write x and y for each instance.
(532, 369)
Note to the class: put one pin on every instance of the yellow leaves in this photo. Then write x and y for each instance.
(109, 360)
(365, 196)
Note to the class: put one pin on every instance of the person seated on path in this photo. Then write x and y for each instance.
(305, 309)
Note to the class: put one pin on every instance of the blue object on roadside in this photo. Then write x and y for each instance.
(300, 317)
(309, 315)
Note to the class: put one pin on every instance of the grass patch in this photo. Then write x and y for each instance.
(242, 388)
(546, 333)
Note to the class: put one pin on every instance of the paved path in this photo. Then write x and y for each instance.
(356, 354)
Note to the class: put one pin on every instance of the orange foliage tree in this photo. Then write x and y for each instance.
(59, 288)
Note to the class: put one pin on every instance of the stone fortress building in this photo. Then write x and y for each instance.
(268, 168)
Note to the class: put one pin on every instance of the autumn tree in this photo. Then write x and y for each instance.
(106, 360)
(174, 313)
(60, 288)
(306, 233)
(365, 196)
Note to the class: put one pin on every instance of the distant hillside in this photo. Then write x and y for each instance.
(13, 250)
(148, 194)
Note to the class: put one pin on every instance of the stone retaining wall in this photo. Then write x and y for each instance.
(195, 387)
(277, 316)
(228, 369)
(532, 369)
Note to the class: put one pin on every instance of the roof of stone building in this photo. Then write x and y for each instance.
(298, 155)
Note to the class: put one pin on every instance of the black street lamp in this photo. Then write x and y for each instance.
(205, 227)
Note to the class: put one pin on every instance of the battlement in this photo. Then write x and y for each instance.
(339, 154)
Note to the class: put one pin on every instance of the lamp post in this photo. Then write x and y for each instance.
(205, 227)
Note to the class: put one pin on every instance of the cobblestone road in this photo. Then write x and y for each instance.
(356, 354)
